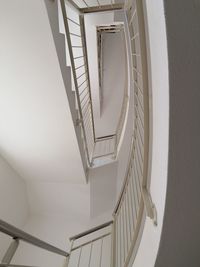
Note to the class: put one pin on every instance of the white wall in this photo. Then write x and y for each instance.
(13, 201)
(59, 199)
(37, 134)
(180, 238)
(149, 245)
(103, 189)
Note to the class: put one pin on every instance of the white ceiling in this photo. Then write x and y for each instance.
(37, 136)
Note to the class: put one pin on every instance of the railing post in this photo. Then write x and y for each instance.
(113, 244)
(149, 205)
(10, 251)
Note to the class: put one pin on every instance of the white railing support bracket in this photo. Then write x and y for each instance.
(10, 251)
(149, 205)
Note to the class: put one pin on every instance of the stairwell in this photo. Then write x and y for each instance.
(122, 180)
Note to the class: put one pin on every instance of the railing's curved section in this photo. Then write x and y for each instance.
(95, 148)
(129, 212)
(135, 199)
(92, 247)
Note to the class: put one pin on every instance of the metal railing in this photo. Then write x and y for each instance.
(18, 236)
(104, 146)
(92, 248)
(130, 208)
(95, 148)
(88, 6)
(113, 243)
(122, 117)
(135, 200)
(74, 29)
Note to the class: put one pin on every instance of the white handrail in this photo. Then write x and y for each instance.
(95, 148)
(87, 6)
(135, 200)
(19, 235)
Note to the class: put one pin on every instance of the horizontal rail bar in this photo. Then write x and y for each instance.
(105, 137)
(74, 34)
(91, 241)
(104, 155)
(103, 8)
(135, 54)
(73, 21)
(82, 83)
(81, 75)
(79, 67)
(79, 57)
(77, 46)
(21, 235)
(83, 91)
(92, 230)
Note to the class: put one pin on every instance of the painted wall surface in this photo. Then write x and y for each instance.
(61, 199)
(149, 245)
(37, 135)
(103, 189)
(13, 201)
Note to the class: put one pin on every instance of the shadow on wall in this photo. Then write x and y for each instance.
(181, 233)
